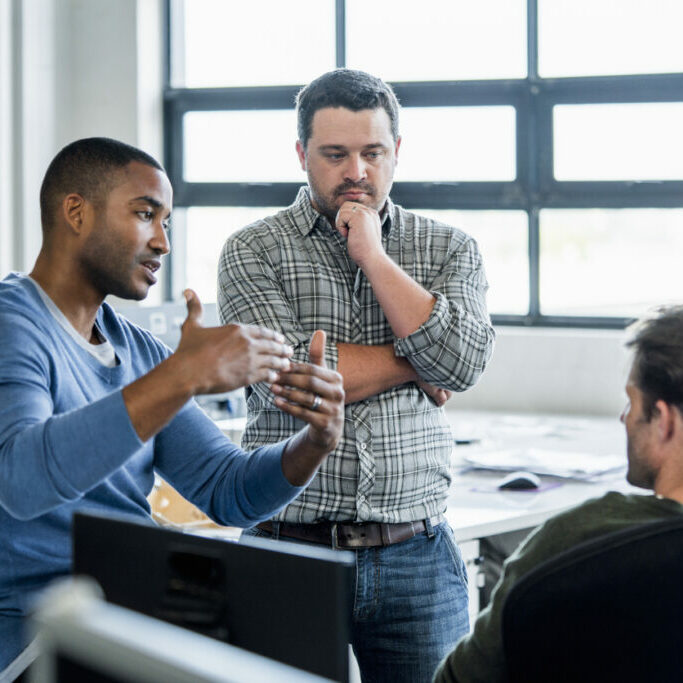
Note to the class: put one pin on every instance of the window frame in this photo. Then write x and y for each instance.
(533, 189)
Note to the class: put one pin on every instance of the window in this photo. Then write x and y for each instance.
(565, 164)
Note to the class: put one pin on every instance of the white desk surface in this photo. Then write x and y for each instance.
(474, 513)
(476, 509)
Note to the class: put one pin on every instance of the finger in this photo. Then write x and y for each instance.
(313, 417)
(264, 374)
(269, 347)
(311, 377)
(316, 349)
(195, 310)
(342, 228)
(306, 399)
(342, 221)
(265, 333)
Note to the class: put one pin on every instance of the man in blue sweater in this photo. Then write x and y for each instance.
(91, 405)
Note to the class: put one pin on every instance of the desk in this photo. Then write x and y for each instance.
(477, 510)
(475, 514)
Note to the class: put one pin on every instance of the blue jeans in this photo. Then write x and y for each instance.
(410, 606)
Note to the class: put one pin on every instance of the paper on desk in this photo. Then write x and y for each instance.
(555, 463)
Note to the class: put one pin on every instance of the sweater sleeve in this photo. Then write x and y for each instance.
(230, 485)
(47, 459)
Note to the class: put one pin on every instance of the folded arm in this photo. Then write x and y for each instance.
(441, 328)
(250, 292)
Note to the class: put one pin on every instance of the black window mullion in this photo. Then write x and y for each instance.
(340, 32)
(533, 189)
(534, 248)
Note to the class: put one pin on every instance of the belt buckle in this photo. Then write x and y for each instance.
(333, 533)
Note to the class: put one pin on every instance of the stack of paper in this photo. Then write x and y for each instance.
(554, 463)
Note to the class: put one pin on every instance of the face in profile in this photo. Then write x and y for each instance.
(350, 156)
(128, 237)
(641, 471)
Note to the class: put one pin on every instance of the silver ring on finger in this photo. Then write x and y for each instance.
(316, 402)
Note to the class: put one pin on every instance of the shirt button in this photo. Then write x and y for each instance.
(363, 446)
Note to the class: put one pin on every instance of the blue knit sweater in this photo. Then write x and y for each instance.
(67, 444)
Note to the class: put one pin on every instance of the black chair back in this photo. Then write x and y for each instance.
(610, 609)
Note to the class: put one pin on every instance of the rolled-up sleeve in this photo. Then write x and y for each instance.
(451, 349)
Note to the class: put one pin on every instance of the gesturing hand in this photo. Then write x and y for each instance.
(315, 394)
(231, 356)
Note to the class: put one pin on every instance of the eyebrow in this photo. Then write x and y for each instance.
(372, 145)
(149, 200)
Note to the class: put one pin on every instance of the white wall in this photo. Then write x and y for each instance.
(74, 68)
(552, 371)
(70, 69)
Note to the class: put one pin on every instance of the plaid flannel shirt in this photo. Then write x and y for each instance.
(291, 272)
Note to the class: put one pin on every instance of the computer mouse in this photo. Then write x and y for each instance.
(520, 481)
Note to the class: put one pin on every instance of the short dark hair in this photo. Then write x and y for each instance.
(354, 90)
(86, 167)
(657, 342)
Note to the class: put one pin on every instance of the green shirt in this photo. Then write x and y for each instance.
(479, 656)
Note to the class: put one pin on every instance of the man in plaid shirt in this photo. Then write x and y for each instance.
(402, 299)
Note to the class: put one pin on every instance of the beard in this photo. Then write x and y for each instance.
(110, 268)
(328, 205)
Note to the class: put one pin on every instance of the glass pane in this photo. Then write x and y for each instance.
(609, 37)
(241, 146)
(401, 40)
(457, 143)
(618, 141)
(616, 262)
(503, 241)
(260, 42)
(207, 230)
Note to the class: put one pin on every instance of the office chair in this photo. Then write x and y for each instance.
(610, 609)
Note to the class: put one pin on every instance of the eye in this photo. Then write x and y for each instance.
(373, 155)
(334, 156)
(145, 215)
(166, 225)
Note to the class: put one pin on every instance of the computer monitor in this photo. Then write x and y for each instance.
(285, 601)
(85, 640)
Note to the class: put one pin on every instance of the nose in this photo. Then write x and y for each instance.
(159, 240)
(356, 168)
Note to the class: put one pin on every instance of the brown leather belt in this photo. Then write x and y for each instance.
(347, 534)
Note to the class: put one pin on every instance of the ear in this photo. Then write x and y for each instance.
(398, 146)
(301, 152)
(668, 421)
(73, 212)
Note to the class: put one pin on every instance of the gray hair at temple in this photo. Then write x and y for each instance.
(87, 167)
(657, 343)
(354, 90)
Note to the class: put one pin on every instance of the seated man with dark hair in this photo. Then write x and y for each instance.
(653, 419)
(91, 405)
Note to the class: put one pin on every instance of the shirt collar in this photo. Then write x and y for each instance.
(306, 217)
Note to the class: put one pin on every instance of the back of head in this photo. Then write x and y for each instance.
(87, 167)
(354, 90)
(657, 342)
